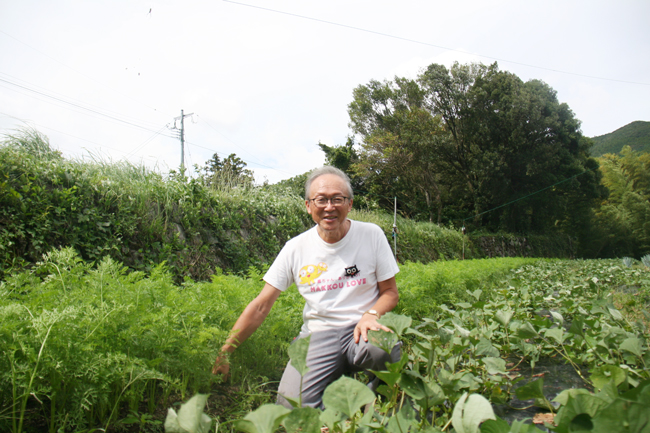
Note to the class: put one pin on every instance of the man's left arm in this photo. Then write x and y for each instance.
(388, 298)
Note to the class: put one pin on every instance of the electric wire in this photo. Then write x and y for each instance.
(143, 144)
(80, 73)
(18, 81)
(415, 41)
(530, 195)
(77, 105)
(496, 207)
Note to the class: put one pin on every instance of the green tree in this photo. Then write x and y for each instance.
(401, 142)
(471, 139)
(227, 173)
(341, 157)
(625, 214)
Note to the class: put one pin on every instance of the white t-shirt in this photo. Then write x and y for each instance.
(338, 281)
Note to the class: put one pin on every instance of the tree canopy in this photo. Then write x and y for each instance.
(229, 172)
(624, 216)
(477, 145)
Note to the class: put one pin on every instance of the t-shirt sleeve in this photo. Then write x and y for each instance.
(386, 263)
(280, 274)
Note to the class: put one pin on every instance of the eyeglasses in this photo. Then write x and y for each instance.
(338, 200)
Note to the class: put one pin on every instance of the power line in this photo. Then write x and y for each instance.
(143, 144)
(76, 105)
(415, 41)
(74, 70)
(531, 194)
(18, 82)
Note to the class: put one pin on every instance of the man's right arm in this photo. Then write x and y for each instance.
(249, 320)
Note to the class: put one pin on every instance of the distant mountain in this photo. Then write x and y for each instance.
(636, 135)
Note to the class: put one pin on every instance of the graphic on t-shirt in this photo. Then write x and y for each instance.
(309, 273)
(351, 271)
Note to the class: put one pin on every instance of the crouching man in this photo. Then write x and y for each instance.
(345, 270)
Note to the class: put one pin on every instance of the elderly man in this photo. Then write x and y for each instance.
(345, 270)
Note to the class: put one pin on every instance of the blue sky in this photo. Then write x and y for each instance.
(268, 80)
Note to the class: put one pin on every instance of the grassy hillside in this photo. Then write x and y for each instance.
(636, 135)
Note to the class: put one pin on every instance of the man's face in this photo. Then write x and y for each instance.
(330, 219)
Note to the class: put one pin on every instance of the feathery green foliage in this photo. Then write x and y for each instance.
(136, 216)
(624, 217)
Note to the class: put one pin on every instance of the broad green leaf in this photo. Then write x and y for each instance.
(577, 404)
(632, 345)
(534, 389)
(558, 317)
(390, 377)
(494, 365)
(404, 421)
(347, 396)
(265, 419)
(501, 426)
(190, 418)
(519, 426)
(394, 370)
(303, 420)
(445, 335)
(485, 348)
(615, 313)
(563, 396)
(396, 322)
(418, 389)
(526, 330)
(463, 332)
(609, 392)
(640, 394)
(556, 334)
(600, 376)
(465, 380)
(298, 354)
(503, 316)
(577, 326)
(383, 339)
(623, 416)
(470, 412)
(495, 426)
(292, 401)
(171, 422)
(331, 418)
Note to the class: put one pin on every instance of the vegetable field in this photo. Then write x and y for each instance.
(96, 348)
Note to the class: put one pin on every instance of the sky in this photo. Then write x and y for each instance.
(269, 80)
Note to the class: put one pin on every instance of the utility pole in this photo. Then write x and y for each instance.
(182, 134)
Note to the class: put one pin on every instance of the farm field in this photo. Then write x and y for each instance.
(94, 347)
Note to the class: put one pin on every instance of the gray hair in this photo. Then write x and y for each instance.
(328, 169)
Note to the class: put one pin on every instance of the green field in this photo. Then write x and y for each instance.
(96, 347)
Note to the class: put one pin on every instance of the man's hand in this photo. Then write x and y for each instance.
(367, 323)
(221, 366)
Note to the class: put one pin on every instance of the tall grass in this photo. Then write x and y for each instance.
(419, 241)
(138, 217)
(83, 345)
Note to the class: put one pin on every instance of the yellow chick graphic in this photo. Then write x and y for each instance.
(309, 273)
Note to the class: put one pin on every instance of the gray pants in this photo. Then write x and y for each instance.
(331, 354)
